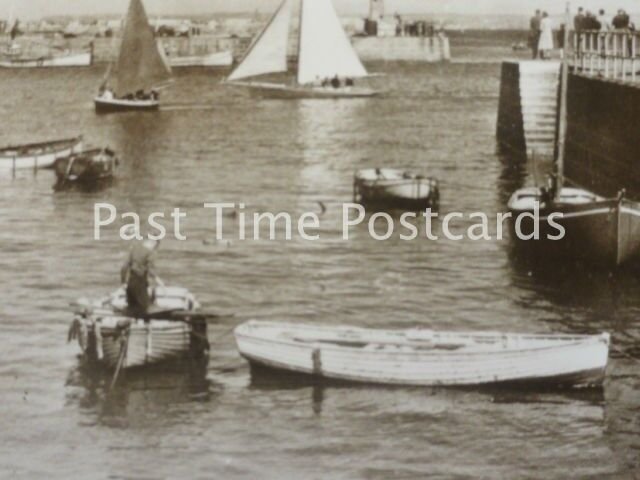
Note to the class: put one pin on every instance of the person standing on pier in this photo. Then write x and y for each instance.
(534, 33)
(546, 37)
(578, 27)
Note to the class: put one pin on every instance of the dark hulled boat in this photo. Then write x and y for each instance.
(578, 225)
(89, 168)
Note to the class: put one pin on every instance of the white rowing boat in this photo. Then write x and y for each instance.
(37, 155)
(106, 334)
(395, 188)
(424, 357)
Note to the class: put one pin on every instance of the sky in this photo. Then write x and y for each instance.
(32, 9)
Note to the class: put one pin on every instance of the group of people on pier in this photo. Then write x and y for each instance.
(541, 28)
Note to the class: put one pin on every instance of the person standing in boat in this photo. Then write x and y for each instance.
(136, 272)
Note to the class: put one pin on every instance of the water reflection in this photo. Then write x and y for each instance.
(139, 395)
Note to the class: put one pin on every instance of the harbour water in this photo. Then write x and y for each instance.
(212, 144)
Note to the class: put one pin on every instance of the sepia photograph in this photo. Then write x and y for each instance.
(320, 239)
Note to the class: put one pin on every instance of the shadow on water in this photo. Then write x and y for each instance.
(138, 393)
(268, 379)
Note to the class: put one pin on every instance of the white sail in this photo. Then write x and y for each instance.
(268, 52)
(325, 49)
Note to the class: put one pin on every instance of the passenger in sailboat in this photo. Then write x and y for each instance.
(349, 82)
(335, 82)
(136, 272)
(155, 95)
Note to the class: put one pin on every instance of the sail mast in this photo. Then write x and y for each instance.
(562, 127)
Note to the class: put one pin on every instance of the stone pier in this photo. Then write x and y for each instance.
(528, 108)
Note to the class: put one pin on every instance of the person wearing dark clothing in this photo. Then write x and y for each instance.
(578, 27)
(349, 82)
(621, 20)
(578, 20)
(534, 33)
(335, 82)
(136, 272)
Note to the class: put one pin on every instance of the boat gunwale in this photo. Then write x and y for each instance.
(50, 147)
(563, 341)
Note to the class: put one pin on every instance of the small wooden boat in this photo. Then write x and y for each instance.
(425, 357)
(108, 335)
(395, 188)
(37, 155)
(325, 56)
(217, 59)
(86, 168)
(597, 230)
(141, 70)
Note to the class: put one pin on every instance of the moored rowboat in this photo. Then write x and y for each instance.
(87, 168)
(107, 335)
(395, 188)
(424, 357)
(37, 155)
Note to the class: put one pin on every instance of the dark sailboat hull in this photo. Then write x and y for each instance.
(121, 105)
(605, 232)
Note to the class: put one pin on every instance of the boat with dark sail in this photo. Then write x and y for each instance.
(89, 168)
(557, 221)
(34, 156)
(327, 66)
(141, 70)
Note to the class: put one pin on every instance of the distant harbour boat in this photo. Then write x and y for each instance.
(424, 357)
(37, 155)
(327, 63)
(395, 188)
(13, 57)
(218, 59)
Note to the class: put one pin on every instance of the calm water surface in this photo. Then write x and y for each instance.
(214, 144)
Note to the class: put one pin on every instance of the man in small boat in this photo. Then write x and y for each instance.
(335, 82)
(106, 93)
(348, 82)
(136, 272)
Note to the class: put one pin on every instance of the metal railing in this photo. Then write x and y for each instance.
(612, 55)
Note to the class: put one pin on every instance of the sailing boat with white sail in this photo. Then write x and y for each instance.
(328, 66)
(140, 71)
(597, 230)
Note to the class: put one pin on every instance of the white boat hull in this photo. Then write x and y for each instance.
(72, 60)
(107, 336)
(218, 59)
(10, 162)
(407, 358)
(281, 91)
(395, 188)
(155, 342)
